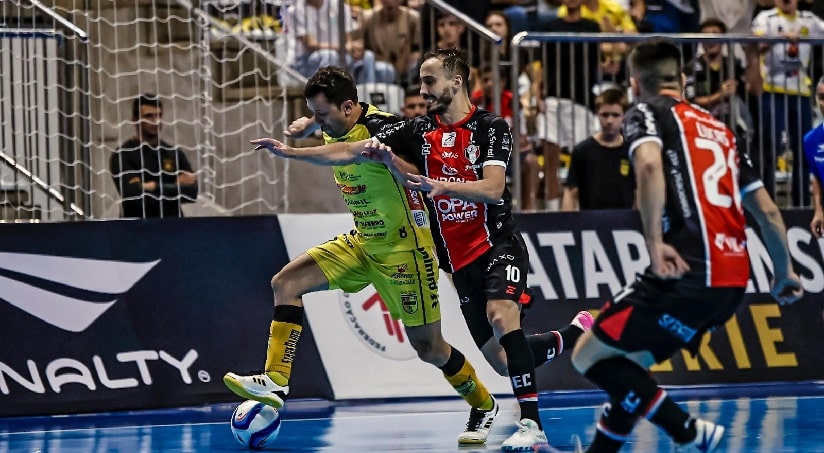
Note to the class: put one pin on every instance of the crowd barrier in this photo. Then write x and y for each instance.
(123, 315)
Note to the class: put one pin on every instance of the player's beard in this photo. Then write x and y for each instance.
(440, 104)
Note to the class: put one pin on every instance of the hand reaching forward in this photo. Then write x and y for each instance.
(426, 184)
(378, 152)
(273, 146)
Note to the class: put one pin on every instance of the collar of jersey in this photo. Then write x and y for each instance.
(459, 123)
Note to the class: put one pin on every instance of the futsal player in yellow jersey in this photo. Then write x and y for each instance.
(391, 232)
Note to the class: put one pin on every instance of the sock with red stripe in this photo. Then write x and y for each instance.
(634, 393)
(522, 373)
(548, 345)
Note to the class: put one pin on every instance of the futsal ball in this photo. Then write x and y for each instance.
(255, 425)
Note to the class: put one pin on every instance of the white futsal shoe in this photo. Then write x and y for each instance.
(258, 387)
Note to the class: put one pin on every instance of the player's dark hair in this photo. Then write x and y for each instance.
(656, 64)
(335, 83)
(144, 99)
(612, 96)
(454, 63)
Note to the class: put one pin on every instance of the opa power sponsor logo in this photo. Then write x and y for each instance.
(107, 279)
(368, 317)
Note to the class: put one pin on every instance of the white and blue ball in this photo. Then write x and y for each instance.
(255, 425)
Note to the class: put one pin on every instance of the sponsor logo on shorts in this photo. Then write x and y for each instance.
(419, 218)
(352, 190)
(676, 327)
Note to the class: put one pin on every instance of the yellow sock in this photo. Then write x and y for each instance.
(283, 342)
(467, 384)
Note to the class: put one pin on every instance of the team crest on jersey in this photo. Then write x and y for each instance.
(448, 139)
(409, 302)
(472, 152)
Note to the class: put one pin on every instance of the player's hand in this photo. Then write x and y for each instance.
(301, 127)
(378, 152)
(425, 184)
(817, 224)
(667, 263)
(275, 147)
(787, 290)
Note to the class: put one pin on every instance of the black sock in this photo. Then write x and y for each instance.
(522, 373)
(289, 313)
(548, 345)
(613, 429)
(631, 387)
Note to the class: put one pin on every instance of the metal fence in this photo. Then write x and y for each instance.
(769, 111)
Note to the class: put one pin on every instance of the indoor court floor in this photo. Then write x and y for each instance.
(765, 418)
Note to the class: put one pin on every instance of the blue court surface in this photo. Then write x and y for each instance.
(763, 418)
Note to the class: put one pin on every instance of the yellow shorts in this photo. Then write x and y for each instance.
(407, 281)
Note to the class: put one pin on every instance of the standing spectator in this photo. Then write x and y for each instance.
(565, 117)
(153, 177)
(413, 103)
(313, 41)
(600, 175)
(695, 282)
(786, 107)
(712, 85)
(393, 32)
(814, 155)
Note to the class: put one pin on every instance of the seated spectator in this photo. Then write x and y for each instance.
(672, 16)
(152, 177)
(413, 103)
(484, 98)
(600, 173)
(711, 85)
(531, 15)
(312, 40)
(613, 18)
(393, 32)
(565, 117)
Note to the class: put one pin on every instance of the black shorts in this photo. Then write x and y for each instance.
(500, 273)
(663, 316)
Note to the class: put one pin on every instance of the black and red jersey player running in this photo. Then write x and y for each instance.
(458, 153)
(692, 187)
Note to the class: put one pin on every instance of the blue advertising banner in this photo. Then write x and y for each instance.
(579, 260)
(99, 316)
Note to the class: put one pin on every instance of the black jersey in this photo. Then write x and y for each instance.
(706, 178)
(602, 174)
(463, 230)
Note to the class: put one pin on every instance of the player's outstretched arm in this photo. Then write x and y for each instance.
(402, 170)
(340, 153)
(787, 286)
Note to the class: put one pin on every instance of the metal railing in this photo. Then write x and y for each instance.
(778, 158)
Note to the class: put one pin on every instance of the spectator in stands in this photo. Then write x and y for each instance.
(672, 16)
(152, 177)
(531, 15)
(393, 32)
(600, 173)
(786, 106)
(484, 98)
(814, 156)
(571, 71)
(613, 18)
(312, 33)
(413, 103)
(711, 85)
